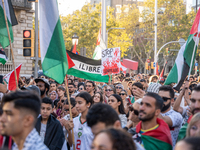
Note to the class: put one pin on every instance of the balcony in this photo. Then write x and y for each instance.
(21, 4)
(6, 68)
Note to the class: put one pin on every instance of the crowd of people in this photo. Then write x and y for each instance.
(131, 112)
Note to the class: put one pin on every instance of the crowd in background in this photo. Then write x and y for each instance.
(132, 111)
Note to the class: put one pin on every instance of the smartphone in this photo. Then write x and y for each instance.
(1, 78)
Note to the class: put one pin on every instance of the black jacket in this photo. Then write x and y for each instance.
(54, 136)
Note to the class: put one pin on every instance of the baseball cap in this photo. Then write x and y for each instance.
(43, 80)
(32, 88)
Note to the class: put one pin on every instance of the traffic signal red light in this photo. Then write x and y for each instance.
(28, 43)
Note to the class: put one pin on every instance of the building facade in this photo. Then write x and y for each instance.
(24, 14)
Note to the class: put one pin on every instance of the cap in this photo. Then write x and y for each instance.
(32, 88)
(43, 80)
(154, 87)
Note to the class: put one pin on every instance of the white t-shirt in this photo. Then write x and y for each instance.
(83, 135)
(43, 131)
(177, 120)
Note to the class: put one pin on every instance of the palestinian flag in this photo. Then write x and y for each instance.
(163, 70)
(10, 78)
(100, 46)
(11, 18)
(53, 53)
(182, 132)
(86, 68)
(156, 139)
(186, 57)
(3, 57)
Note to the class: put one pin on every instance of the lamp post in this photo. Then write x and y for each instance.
(107, 34)
(155, 28)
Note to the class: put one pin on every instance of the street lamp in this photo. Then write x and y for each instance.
(107, 34)
(75, 39)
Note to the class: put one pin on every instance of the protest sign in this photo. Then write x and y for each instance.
(110, 61)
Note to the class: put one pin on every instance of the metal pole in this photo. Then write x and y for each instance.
(155, 28)
(36, 41)
(103, 19)
(196, 5)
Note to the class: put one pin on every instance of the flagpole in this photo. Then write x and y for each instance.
(10, 43)
(70, 111)
(193, 56)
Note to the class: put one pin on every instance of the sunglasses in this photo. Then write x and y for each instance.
(80, 88)
(122, 94)
(136, 112)
(166, 99)
(118, 87)
(108, 90)
(62, 101)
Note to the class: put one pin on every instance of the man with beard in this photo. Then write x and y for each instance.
(194, 108)
(71, 88)
(152, 132)
(43, 85)
(171, 117)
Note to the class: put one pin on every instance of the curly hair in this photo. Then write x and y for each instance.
(120, 139)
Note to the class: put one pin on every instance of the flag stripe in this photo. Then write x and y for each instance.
(83, 59)
(151, 143)
(53, 65)
(47, 23)
(13, 18)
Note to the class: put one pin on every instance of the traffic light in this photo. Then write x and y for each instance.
(28, 43)
(146, 65)
(152, 66)
(32, 1)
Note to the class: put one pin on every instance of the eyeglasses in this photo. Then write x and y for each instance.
(108, 90)
(136, 112)
(118, 87)
(166, 99)
(122, 94)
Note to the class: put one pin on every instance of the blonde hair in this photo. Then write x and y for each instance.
(194, 120)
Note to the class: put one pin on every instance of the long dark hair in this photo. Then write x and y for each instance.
(101, 97)
(121, 106)
(86, 96)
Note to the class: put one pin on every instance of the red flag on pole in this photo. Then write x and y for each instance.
(74, 49)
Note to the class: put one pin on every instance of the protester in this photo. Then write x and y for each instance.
(188, 144)
(81, 87)
(194, 108)
(53, 86)
(82, 133)
(61, 93)
(151, 130)
(48, 127)
(171, 117)
(126, 103)
(113, 139)
(53, 95)
(90, 87)
(193, 128)
(137, 91)
(115, 101)
(98, 98)
(43, 85)
(110, 90)
(71, 88)
(102, 116)
(20, 112)
(119, 87)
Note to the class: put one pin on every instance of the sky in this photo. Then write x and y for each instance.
(69, 6)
